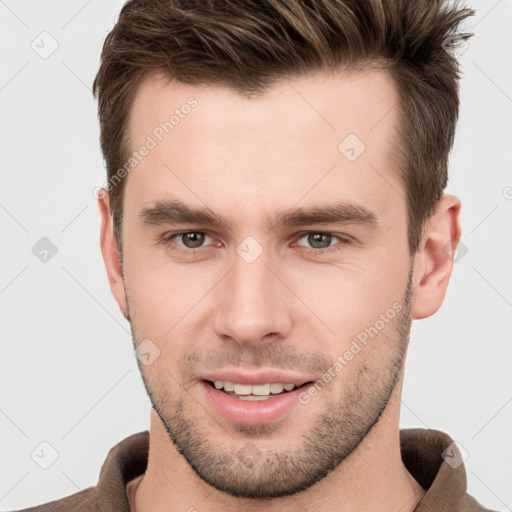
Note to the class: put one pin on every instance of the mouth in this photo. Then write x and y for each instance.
(257, 392)
(259, 396)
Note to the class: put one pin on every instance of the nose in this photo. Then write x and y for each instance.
(253, 304)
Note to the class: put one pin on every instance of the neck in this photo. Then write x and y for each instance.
(371, 478)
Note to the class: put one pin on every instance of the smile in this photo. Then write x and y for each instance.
(252, 404)
(255, 392)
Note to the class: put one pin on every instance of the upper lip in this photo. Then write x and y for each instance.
(257, 377)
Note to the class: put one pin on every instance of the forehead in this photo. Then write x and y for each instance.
(312, 136)
(332, 104)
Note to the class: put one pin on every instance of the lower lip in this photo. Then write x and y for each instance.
(254, 412)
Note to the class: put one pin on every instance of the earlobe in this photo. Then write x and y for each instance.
(110, 253)
(434, 261)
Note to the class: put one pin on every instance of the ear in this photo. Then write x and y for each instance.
(110, 252)
(433, 263)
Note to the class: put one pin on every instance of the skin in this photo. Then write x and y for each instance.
(248, 160)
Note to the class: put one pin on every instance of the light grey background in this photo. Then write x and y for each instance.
(69, 375)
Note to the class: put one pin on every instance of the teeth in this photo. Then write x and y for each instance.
(276, 388)
(228, 386)
(256, 390)
(242, 389)
(260, 389)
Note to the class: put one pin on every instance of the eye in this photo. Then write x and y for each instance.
(321, 242)
(192, 242)
(187, 240)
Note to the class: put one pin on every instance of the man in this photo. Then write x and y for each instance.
(273, 221)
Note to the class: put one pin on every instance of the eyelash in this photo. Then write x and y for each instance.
(168, 240)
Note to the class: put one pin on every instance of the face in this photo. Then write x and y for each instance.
(265, 243)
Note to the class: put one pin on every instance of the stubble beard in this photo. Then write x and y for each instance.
(235, 461)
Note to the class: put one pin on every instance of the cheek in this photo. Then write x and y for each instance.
(347, 298)
(164, 298)
(152, 296)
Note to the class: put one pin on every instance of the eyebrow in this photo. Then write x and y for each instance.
(173, 211)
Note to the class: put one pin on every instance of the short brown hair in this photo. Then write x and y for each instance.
(248, 45)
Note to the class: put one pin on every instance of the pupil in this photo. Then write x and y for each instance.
(193, 239)
(314, 238)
